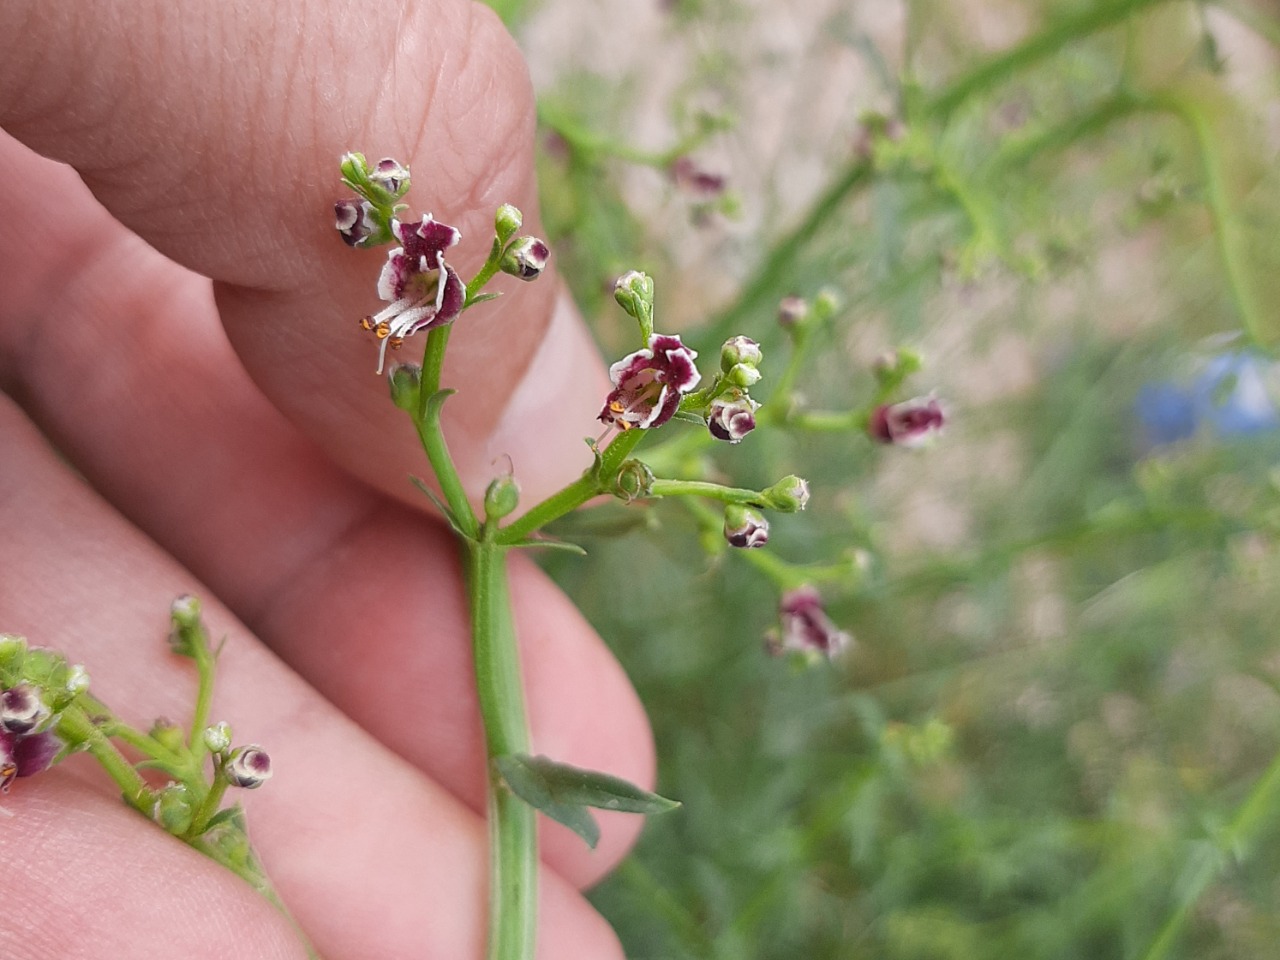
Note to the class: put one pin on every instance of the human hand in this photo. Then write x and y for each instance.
(211, 425)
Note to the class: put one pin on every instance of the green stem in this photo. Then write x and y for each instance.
(1229, 846)
(206, 663)
(513, 852)
(426, 419)
(74, 726)
(209, 804)
(711, 491)
(590, 484)
(1047, 42)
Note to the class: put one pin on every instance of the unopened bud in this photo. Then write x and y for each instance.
(788, 495)
(249, 767)
(405, 382)
(391, 177)
(174, 809)
(740, 351)
(634, 293)
(185, 611)
(502, 497)
(506, 222)
(13, 650)
(168, 734)
(732, 416)
(745, 526)
(792, 311)
(354, 221)
(77, 679)
(526, 258)
(826, 304)
(741, 375)
(634, 481)
(218, 737)
(894, 366)
(22, 709)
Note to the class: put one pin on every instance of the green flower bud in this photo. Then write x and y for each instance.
(174, 809)
(77, 679)
(634, 293)
(788, 495)
(526, 258)
(826, 304)
(741, 375)
(634, 481)
(740, 350)
(218, 737)
(502, 497)
(506, 222)
(168, 734)
(405, 381)
(13, 650)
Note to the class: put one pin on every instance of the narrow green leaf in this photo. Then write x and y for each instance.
(563, 792)
(688, 417)
(550, 545)
(481, 298)
(440, 504)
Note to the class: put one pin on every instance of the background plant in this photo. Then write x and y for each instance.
(1057, 734)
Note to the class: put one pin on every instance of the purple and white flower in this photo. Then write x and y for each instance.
(911, 423)
(732, 416)
(424, 291)
(354, 220)
(526, 258)
(249, 767)
(805, 627)
(649, 383)
(745, 527)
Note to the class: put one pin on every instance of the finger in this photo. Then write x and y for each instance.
(318, 566)
(231, 172)
(344, 821)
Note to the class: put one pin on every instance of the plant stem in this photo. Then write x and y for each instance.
(426, 418)
(590, 484)
(206, 662)
(74, 726)
(513, 852)
(711, 491)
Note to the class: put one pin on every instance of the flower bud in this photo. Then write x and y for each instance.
(732, 416)
(506, 222)
(894, 366)
(391, 177)
(502, 497)
(77, 679)
(22, 709)
(741, 375)
(168, 734)
(792, 312)
(405, 381)
(217, 737)
(745, 527)
(788, 495)
(694, 180)
(826, 304)
(174, 809)
(354, 221)
(805, 627)
(13, 650)
(740, 350)
(634, 293)
(912, 423)
(185, 611)
(249, 767)
(526, 258)
(633, 481)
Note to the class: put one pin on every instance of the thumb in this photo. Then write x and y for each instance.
(214, 132)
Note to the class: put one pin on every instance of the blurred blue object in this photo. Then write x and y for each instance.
(1232, 395)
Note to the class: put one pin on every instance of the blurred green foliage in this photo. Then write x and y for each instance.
(1057, 735)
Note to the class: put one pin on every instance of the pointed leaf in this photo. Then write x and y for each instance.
(562, 792)
(481, 298)
(550, 545)
(688, 417)
(440, 504)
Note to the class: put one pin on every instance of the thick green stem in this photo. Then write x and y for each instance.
(513, 852)
(711, 491)
(426, 418)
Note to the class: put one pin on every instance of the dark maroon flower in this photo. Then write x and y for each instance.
(695, 181)
(353, 221)
(22, 709)
(424, 291)
(911, 423)
(805, 626)
(732, 417)
(649, 383)
(24, 756)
